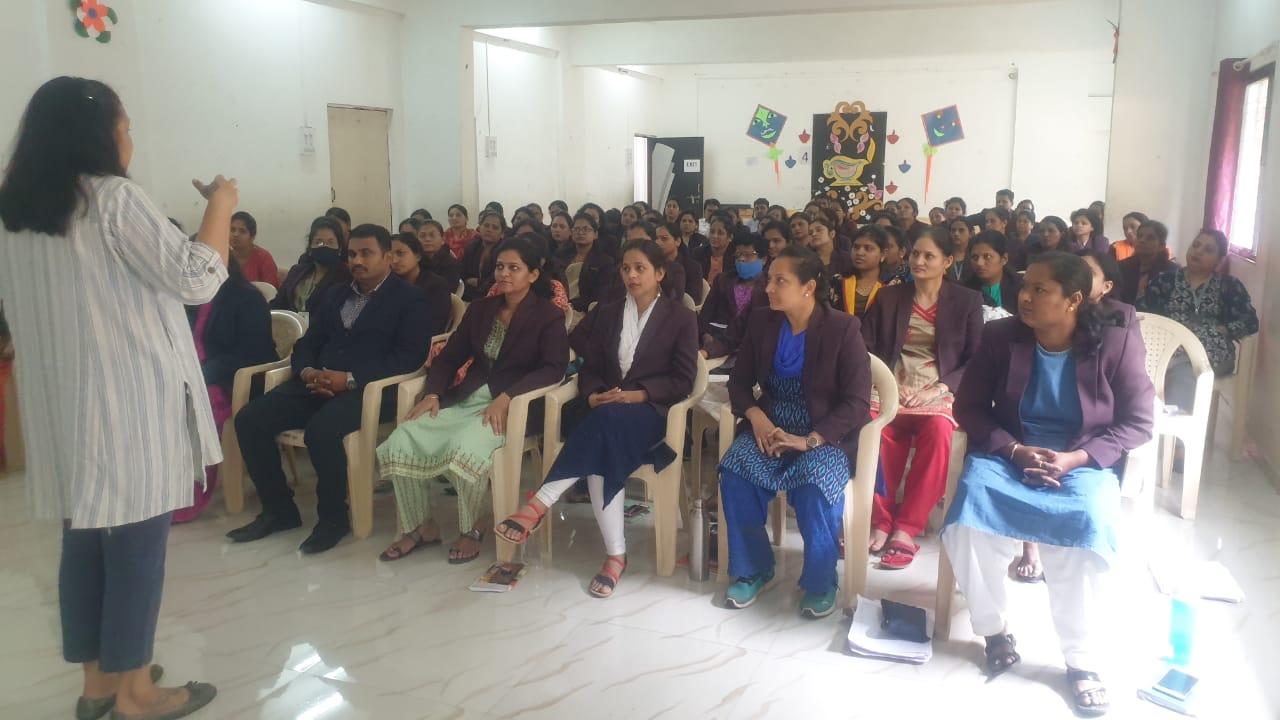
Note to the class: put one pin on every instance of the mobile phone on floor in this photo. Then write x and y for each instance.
(1176, 684)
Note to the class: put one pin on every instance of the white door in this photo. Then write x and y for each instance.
(360, 164)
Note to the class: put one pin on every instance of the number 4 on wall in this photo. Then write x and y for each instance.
(804, 157)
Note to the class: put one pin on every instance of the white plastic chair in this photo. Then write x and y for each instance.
(359, 445)
(286, 328)
(688, 302)
(1164, 337)
(571, 275)
(946, 585)
(459, 308)
(15, 451)
(505, 476)
(1235, 388)
(462, 287)
(858, 493)
(267, 289)
(666, 486)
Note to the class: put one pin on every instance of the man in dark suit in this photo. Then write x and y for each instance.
(372, 329)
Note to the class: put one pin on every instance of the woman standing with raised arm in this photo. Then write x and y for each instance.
(122, 447)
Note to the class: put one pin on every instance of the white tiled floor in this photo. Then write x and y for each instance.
(343, 635)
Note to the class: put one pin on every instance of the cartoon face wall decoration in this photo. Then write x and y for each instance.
(943, 126)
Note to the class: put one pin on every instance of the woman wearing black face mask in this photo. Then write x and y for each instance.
(323, 265)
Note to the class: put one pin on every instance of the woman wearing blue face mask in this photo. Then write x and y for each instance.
(322, 266)
(736, 291)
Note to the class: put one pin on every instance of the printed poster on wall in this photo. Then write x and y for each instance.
(848, 160)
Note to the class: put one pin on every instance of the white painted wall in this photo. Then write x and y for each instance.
(1160, 128)
(221, 88)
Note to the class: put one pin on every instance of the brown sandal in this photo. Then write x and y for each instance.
(455, 554)
(395, 553)
(607, 580)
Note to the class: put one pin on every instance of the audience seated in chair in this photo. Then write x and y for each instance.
(1051, 402)
(457, 236)
(371, 329)
(926, 332)
(837, 262)
(800, 436)
(677, 254)
(598, 268)
(734, 294)
(232, 331)
(990, 272)
(855, 293)
(406, 264)
(674, 282)
(256, 264)
(1150, 258)
(1123, 249)
(715, 256)
(436, 256)
(1213, 305)
(639, 357)
(515, 342)
(479, 258)
(322, 266)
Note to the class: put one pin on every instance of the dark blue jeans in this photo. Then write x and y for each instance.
(109, 588)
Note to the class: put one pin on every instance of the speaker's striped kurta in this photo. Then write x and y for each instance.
(115, 415)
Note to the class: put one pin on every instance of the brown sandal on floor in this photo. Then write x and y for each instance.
(1001, 654)
(395, 552)
(455, 555)
(607, 580)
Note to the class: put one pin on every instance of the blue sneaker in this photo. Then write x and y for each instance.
(744, 590)
(817, 605)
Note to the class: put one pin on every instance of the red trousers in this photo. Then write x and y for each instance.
(930, 435)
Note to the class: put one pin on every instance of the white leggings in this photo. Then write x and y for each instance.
(609, 518)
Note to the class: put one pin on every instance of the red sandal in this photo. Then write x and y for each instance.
(606, 579)
(898, 555)
(510, 523)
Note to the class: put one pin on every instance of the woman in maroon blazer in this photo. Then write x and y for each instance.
(799, 436)
(515, 342)
(1052, 401)
(478, 259)
(925, 331)
(640, 356)
(733, 291)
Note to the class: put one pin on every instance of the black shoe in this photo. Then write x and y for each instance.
(324, 537)
(262, 526)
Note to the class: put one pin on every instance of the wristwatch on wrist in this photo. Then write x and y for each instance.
(351, 382)
(811, 441)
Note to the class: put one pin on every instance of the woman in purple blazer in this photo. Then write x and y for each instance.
(1052, 401)
(640, 357)
(925, 331)
(515, 342)
(799, 436)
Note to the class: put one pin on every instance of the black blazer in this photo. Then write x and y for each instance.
(666, 359)
(338, 276)
(1010, 285)
(474, 269)
(439, 302)
(693, 275)
(702, 255)
(959, 327)
(836, 375)
(1131, 276)
(237, 333)
(599, 275)
(390, 337)
(721, 305)
(445, 265)
(534, 353)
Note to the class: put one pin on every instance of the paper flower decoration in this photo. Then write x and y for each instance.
(774, 152)
(790, 162)
(893, 137)
(904, 166)
(92, 18)
(891, 188)
(805, 137)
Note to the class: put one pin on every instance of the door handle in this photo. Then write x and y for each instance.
(333, 195)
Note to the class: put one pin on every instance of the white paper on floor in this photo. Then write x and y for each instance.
(868, 639)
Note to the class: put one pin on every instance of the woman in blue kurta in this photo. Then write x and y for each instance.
(800, 436)
(1052, 401)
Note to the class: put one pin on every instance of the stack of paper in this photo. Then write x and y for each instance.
(868, 639)
(1210, 580)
